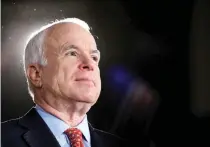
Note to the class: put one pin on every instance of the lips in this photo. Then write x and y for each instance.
(85, 80)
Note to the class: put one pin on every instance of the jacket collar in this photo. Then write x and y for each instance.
(38, 134)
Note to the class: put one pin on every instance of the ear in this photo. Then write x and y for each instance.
(34, 73)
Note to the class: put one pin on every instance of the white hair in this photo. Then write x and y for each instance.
(34, 52)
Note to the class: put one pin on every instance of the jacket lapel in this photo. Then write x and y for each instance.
(38, 134)
(96, 139)
(103, 139)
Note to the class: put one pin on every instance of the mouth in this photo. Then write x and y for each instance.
(87, 81)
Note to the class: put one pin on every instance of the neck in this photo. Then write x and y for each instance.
(70, 111)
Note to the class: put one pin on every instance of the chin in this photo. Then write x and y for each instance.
(87, 99)
(82, 94)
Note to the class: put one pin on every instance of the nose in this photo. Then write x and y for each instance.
(86, 65)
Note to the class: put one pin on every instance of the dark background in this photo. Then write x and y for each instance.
(165, 44)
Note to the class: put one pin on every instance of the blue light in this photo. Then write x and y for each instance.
(119, 78)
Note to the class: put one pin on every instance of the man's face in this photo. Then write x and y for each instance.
(72, 70)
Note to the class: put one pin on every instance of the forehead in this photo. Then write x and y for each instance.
(69, 33)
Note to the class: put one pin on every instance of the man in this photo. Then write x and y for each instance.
(61, 66)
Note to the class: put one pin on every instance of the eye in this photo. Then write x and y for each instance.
(95, 58)
(71, 53)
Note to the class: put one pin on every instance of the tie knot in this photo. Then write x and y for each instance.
(75, 136)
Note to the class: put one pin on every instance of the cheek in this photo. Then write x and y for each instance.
(50, 78)
(65, 73)
(50, 74)
(98, 78)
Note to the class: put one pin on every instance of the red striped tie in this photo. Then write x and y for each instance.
(75, 137)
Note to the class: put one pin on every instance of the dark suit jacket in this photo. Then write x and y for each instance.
(31, 131)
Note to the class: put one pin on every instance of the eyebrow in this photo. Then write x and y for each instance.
(94, 51)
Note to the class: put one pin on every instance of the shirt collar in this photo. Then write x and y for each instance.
(58, 126)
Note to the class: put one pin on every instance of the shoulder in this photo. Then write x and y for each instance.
(13, 127)
(107, 135)
(10, 124)
(11, 130)
(106, 138)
